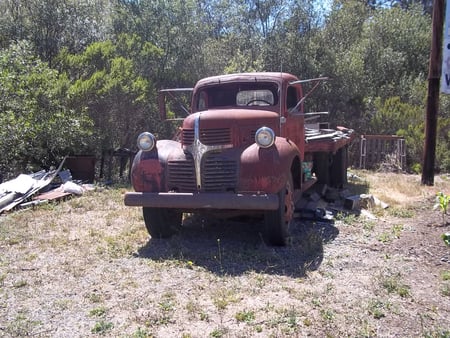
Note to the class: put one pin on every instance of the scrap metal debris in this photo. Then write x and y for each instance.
(37, 188)
(323, 203)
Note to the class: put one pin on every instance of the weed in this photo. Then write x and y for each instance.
(102, 327)
(97, 312)
(397, 229)
(62, 304)
(437, 333)
(392, 284)
(316, 302)
(95, 298)
(223, 298)
(167, 303)
(245, 316)
(117, 247)
(78, 203)
(204, 316)
(327, 314)
(445, 275)
(292, 319)
(141, 333)
(346, 218)
(446, 238)
(385, 238)
(442, 203)
(21, 326)
(260, 281)
(445, 289)
(30, 257)
(218, 332)
(401, 212)
(167, 307)
(376, 308)
(368, 225)
(191, 307)
(307, 322)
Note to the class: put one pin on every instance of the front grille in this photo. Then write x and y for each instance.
(212, 137)
(218, 173)
(188, 136)
(208, 137)
(181, 175)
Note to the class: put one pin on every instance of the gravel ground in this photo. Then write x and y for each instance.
(86, 267)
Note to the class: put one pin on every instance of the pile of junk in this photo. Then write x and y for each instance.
(27, 190)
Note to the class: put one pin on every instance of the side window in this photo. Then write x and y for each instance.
(291, 99)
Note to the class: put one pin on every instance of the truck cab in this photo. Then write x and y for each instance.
(243, 149)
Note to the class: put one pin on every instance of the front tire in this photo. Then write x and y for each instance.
(162, 223)
(277, 222)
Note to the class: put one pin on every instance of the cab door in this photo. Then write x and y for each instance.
(293, 127)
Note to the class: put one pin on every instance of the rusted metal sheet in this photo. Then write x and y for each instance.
(328, 140)
(55, 194)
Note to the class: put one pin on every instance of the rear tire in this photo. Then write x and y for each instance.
(277, 222)
(162, 223)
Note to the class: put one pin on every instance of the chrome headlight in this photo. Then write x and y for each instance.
(264, 137)
(146, 141)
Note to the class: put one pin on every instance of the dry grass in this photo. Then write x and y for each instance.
(86, 267)
(402, 190)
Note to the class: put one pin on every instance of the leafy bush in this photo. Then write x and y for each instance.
(38, 129)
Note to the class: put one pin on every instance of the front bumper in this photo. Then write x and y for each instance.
(193, 201)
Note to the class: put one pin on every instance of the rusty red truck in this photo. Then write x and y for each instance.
(245, 147)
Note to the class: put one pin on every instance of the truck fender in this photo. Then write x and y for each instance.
(148, 169)
(267, 169)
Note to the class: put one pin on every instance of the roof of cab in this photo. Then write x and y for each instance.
(247, 77)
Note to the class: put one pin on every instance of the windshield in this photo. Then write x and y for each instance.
(238, 94)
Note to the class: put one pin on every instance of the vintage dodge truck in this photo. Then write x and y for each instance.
(245, 147)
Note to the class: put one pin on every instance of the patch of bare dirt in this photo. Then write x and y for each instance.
(86, 267)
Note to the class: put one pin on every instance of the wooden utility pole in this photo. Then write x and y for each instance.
(434, 76)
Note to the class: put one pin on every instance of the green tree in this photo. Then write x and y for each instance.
(176, 27)
(53, 24)
(107, 85)
(337, 54)
(396, 45)
(37, 128)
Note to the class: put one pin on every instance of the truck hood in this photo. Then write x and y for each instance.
(228, 126)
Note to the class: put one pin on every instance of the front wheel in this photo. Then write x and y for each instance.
(162, 223)
(277, 222)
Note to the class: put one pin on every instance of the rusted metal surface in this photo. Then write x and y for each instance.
(328, 140)
(55, 194)
(217, 158)
(187, 201)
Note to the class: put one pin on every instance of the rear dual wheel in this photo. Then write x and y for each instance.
(278, 222)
